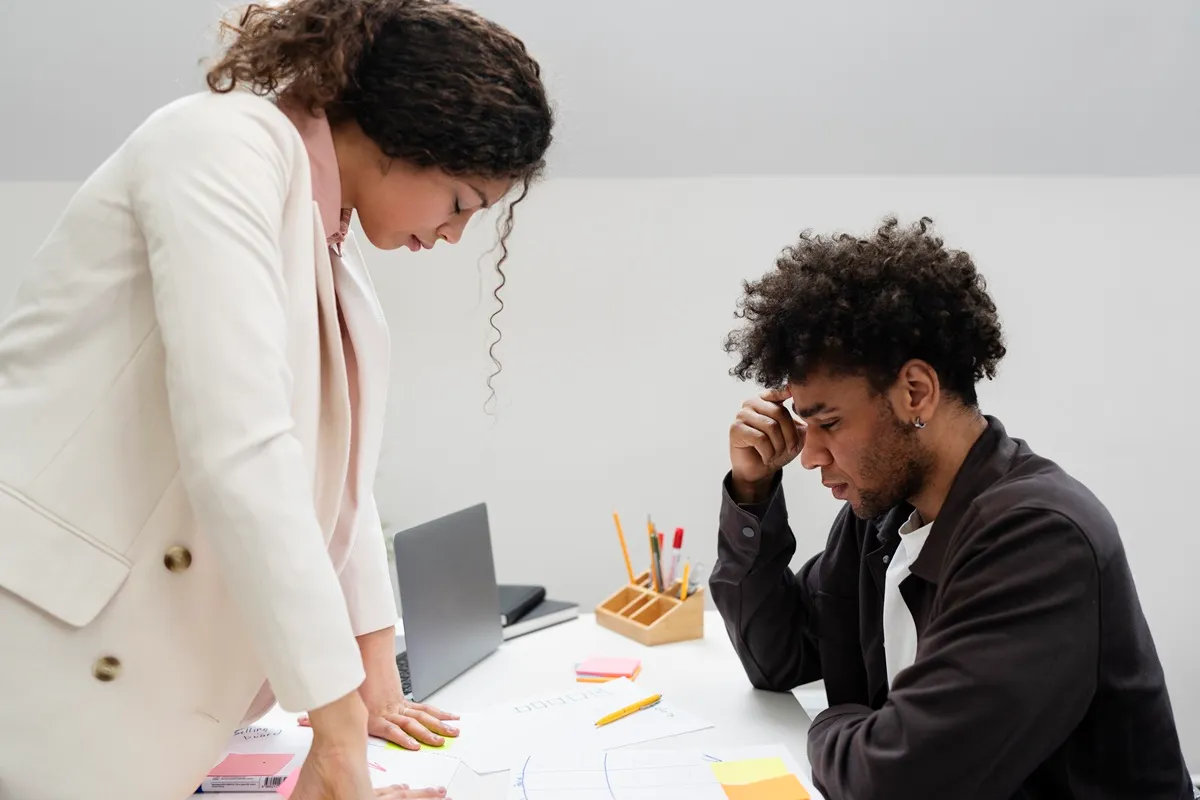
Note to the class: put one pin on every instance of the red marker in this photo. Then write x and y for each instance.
(676, 552)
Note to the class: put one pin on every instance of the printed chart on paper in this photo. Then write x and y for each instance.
(752, 773)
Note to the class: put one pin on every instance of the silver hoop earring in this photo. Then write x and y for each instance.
(917, 423)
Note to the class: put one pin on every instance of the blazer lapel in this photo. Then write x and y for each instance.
(333, 430)
(371, 341)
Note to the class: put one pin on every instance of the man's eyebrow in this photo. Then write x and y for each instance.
(813, 410)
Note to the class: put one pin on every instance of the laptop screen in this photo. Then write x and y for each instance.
(448, 597)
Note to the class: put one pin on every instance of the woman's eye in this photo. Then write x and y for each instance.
(828, 426)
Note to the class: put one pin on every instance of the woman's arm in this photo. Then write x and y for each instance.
(390, 716)
(209, 187)
(365, 577)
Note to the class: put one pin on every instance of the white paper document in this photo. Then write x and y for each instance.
(493, 738)
(762, 773)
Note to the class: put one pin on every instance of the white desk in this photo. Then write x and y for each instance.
(702, 676)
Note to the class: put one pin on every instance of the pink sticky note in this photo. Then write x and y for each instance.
(285, 788)
(244, 765)
(614, 667)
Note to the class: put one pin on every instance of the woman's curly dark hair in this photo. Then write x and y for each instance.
(429, 81)
(867, 306)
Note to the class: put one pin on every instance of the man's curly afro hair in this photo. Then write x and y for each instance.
(867, 306)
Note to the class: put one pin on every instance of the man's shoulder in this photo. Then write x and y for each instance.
(1033, 483)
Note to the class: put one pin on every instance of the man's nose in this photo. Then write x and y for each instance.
(814, 455)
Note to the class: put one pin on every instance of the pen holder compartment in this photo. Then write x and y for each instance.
(644, 615)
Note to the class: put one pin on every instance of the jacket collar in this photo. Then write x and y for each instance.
(317, 135)
(987, 460)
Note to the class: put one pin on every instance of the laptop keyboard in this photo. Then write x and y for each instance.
(405, 676)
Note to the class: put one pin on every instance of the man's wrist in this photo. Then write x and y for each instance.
(750, 492)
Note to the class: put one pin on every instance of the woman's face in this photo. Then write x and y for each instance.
(415, 208)
(400, 205)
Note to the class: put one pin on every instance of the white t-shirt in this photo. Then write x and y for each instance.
(899, 629)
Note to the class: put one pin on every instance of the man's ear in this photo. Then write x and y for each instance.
(919, 391)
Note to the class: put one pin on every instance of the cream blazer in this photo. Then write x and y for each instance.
(175, 436)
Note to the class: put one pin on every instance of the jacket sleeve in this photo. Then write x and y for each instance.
(768, 609)
(209, 194)
(1002, 674)
(366, 576)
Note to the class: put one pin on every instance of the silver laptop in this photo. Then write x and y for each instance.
(448, 600)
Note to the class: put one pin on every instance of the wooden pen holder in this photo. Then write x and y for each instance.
(651, 617)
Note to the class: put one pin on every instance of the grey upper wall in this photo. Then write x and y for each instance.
(677, 88)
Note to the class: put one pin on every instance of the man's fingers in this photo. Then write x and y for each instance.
(786, 416)
(753, 418)
(790, 428)
(776, 395)
(745, 436)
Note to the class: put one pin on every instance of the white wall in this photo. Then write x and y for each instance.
(615, 391)
(664, 88)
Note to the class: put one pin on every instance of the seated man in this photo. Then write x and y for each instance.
(972, 614)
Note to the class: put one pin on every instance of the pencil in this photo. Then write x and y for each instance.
(630, 709)
(658, 572)
(624, 548)
(687, 567)
(653, 542)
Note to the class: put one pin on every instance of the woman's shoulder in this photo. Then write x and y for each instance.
(236, 116)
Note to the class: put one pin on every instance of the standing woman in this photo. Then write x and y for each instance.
(192, 389)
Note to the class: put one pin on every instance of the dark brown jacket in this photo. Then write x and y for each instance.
(1035, 674)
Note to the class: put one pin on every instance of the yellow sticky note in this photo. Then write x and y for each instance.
(785, 787)
(448, 740)
(751, 770)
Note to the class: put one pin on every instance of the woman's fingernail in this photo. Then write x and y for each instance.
(453, 730)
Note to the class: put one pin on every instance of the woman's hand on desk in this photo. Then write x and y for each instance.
(389, 715)
(336, 765)
(407, 724)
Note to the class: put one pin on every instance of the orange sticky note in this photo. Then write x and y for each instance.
(784, 787)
